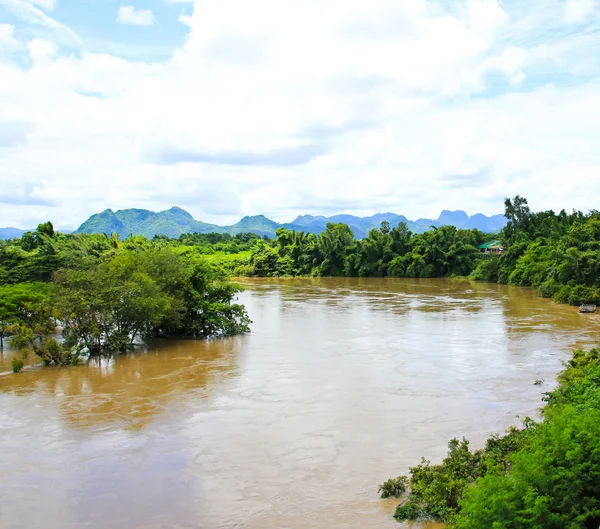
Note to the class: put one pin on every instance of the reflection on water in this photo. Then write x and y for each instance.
(133, 389)
(342, 384)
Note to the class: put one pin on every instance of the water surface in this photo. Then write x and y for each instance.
(342, 384)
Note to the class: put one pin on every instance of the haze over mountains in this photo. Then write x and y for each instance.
(175, 221)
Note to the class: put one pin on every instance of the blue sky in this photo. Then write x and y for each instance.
(96, 24)
(280, 107)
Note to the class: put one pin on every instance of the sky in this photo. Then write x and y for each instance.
(229, 108)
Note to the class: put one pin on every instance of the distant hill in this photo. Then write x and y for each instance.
(11, 233)
(16, 233)
(172, 223)
(175, 221)
(362, 225)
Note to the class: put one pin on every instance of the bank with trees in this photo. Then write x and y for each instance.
(556, 253)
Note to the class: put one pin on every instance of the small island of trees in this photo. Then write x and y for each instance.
(107, 295)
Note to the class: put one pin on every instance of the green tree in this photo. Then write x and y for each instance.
(21, 304)
(334, 244)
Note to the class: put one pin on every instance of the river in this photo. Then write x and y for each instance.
(342, 384)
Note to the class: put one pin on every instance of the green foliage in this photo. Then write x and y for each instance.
(138, 294)
(334, 245)
(384, 252)
(487, 270)
(110, 294)
(16, 364)
(21, 304)
(436, 489)
(557, 253)
(546, 474)
(35, 339)
(393, 487)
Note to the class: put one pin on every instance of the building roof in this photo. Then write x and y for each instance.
(490, 244)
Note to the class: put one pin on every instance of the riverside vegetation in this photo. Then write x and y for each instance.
(108, 294)
(543, 475)
(557, 253)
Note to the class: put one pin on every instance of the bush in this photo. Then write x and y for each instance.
(393, 487)
(436, 489)
(580, 295)
(549, 288)
(16, 364)
(487, 270)
(54, 353)
(546, 474)
(562, 296)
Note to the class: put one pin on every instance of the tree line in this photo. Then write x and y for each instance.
(557, 253)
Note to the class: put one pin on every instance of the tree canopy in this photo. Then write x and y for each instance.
(107, 295)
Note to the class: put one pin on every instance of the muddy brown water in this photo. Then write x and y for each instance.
(342, 384)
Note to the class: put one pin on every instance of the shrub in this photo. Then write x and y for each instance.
(487, 270)
(393, 487)
(581, 294)
(16, 364)
(549, 288)
(562, 296)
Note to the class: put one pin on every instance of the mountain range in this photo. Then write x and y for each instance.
(175, 221)
(11, 233)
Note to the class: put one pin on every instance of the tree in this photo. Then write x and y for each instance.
(517, 211)
(137, 295)
(333, 244)
(21, 305)
(46, 229)
(106, 310)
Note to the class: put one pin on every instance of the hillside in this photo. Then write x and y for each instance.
(175, 221)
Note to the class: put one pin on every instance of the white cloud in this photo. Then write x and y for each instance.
(7, 37)
(40, 49)
(137, 17)
(48, 5)
(577, 11)
(30, 13)
(284, 107)
(518, 78)
(178, 1)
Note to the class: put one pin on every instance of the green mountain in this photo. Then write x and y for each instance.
(175, 221)
(171, 223)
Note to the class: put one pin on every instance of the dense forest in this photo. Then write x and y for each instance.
(546, 474)
(107, 294)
